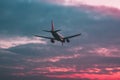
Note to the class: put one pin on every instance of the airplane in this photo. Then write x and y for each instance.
(57, 36)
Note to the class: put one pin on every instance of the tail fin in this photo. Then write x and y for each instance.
(46, 31)
(52, 25)
(52, 28)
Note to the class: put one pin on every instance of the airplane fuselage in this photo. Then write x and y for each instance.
(57, 36)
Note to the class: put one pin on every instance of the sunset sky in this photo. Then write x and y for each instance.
(93, 56)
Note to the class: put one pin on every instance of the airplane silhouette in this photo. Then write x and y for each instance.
(57, 36)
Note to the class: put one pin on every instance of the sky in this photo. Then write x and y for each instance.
(95, 55)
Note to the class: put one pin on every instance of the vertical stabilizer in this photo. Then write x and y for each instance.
(52, 24)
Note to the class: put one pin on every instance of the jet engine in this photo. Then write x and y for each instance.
(52, 40)
(68, 40)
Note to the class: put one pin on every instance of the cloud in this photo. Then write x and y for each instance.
(94, 55)
(104, 10)
(112, 3)
(16, 41)
(53, 59)
(54, 65)
(106, 7)
(87, 76)
(106, 51)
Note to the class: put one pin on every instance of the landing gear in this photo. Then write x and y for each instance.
(52, 40)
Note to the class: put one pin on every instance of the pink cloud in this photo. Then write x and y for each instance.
(46, 70)
(106, 51)
(54, 59)
(108, 3)
(61, 69)
(114, 76)
(104, 10)
(100, 72)
(108, 69)
(107, 7)
(91, 70)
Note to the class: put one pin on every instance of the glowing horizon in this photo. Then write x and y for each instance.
(107, 3)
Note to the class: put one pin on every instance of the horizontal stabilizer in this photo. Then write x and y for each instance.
(57, 30)
(46, 31)
(44, 37)
(72, 36)
(51, 31)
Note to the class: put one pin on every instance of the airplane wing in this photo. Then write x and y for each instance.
(72, 36)
(44, 37)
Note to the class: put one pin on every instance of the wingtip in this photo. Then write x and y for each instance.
(79, 34)
(36, 35)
